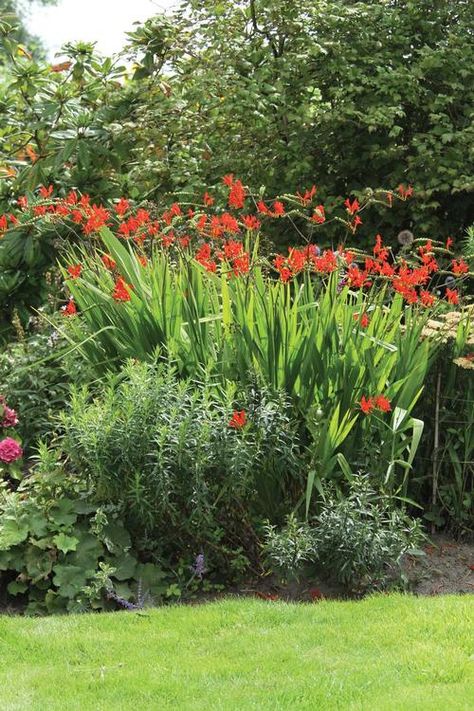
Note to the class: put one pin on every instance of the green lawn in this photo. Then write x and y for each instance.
(385, 652)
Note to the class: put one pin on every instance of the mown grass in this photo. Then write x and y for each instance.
(385, 652)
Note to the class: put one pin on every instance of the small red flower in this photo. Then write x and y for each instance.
(405, 192)
(74, 270)
(251, 222)
(319, 215)
(352, 207)
(108, 262)
(238, 419)
(46, 192)
(452, 296)
(278, 209)
(363, 320)
(70, 308)
(366, 405)
(307, 197)
(208, 199)
(237, 195)
(459, 267)
(122, 206)
(121, 291)
(426, 298)
(382, 403)
(449, 243)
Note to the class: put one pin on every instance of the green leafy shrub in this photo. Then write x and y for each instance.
(188, 471)
(60, 552)
(357, 539)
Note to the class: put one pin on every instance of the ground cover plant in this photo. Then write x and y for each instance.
(410, 652)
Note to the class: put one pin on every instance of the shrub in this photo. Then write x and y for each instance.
(188, 470)
(358, 539)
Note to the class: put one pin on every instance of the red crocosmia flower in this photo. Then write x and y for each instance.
(108, 262)
(352, 207)
(355, 223)
(122, 206)
(366, 405)
(427, 298)
(23, 202)
(380, 251)
(167, 239)
(208, 199)
(143, 260)
(237, 195)
(39, 210)
(77, 217)
(143, 216)
(285, 274)
(71, 197)
(3, 223)
(251, 222)
(363, 320)
(184, 241)
(262, 208)
(228, 180)
(229, 223)
(241, 264)
(278, 209)
(97, 218)
(356, 277)
(452, 296)
(233, 249)
(382, 403)
(46, 192)
(459, 267)
(74, 270)
(70, 308)
(449, 243)
(238, 419)
(319, 215)
(121, 291)
(307, 197)
(405, 192)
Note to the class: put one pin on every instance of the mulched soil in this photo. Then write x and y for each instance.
(447, 567)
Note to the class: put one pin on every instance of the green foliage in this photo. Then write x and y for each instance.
(299, 338)
(286, 94)
(34, 377)
(61, 552)
(357, 538)
(281, 94)
(289, 548)
(163, 450)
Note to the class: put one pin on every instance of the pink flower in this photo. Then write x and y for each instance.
(10, 450)
(10, 418)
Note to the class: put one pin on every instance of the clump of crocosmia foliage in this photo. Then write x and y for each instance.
(190, 464)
